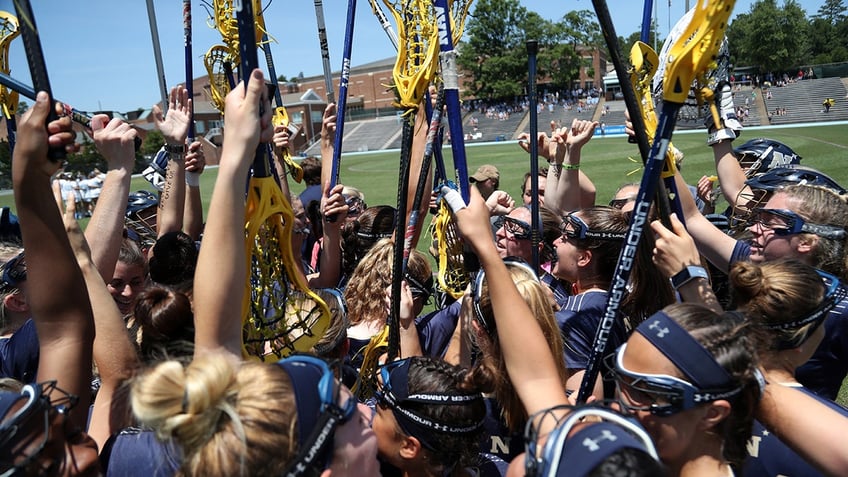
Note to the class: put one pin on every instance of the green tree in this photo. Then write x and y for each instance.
(495, 54)
(827, 33)
(770, 37)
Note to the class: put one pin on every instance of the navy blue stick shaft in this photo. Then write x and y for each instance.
(447, 57)
(189, 84)
(249, 62)
(646, 21)
(532, 49)
(341, 105)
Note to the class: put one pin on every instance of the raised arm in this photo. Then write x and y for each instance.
(195, 163)
(57, 294)
(114, 355)
(330, 270)
(219, 281)
(115, 141)
(528, 360)
(174, 126)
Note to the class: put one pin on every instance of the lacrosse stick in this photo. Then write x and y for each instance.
(325, 51)
(157, 54)
(452, 275)
(645, 34)
(532, 49)
(691, 56)
(281, 116)
(219, 84)
(8, 97)
(644, 60)
(413, 71)
(189, 84)
(341, 106)
(384, 22)
(281, 314)
(37, 67)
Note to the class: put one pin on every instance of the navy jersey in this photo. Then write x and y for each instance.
(497, 440)
(824, 372)
(19, 354)
(768, 456)
(578, 321)
(135, 451)
(436, 328)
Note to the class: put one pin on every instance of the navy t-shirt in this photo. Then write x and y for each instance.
(769, 456)
(137, 452)
(824, 372)
(19, 354)
(436, 328)
(497, 439)
(578, 321)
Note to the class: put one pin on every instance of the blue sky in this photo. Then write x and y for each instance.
(99, 53)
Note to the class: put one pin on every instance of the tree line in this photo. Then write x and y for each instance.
(768, 37)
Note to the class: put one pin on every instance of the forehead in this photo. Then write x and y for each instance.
(781, 200)
(520, 213)
(641, 356)
(627, 191)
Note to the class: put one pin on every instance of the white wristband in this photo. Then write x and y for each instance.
(725, 134)
(192, 179)
(453, 198)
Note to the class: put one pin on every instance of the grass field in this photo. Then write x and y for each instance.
(605, 160)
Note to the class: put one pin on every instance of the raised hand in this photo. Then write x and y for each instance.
(242, 121)
(34, 140)
(115, 139)
(175, 124)
(195, 160)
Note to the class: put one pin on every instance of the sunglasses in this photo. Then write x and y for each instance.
(488, 324)
(620, 203)
(659, 394)
(14, 272)
(573, 227)
(422, 290)
(41, 400)
(785, 222)
(355, 206)
(517, 228)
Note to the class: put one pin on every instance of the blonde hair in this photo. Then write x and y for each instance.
(227, 421)
(366, 290)
(823, 206)
(493, 362)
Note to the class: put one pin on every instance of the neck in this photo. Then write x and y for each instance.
(779, 366)
(583, 286)
(702, 459)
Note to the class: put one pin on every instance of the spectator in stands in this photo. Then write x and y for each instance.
(487, 179)
(828, 103)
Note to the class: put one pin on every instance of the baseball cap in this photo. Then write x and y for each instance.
(484, 172)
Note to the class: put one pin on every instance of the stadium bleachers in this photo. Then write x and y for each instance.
(802, 101)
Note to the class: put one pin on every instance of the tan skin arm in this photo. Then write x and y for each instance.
(56, 291)
(115, 139)
(114, 355)
(195, 162)
(221, 268)
(174, 127)
(528, 360)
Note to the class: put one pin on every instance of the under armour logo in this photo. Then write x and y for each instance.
(592, 444)
(661, 332)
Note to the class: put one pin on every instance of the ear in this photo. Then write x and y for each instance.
(806, 243)
(716, 412)
(410, 448)
(585, 258)
(16, 302)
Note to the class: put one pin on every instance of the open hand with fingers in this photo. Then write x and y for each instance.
(174, 124)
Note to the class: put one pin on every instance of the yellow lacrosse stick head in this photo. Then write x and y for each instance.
(219, 85)
(281, 315)
(281, 118)
(451, 274)
(696, 50)
(8, 32)
(418, 37)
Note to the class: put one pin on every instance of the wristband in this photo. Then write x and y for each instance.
(453, 198)
(571, 167)
(720, 135)
(175, 149)
(192, 179)
(687, 275)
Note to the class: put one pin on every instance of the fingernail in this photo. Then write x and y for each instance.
(42, 97)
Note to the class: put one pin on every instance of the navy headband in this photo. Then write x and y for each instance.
(395, 393)
(693, 360)
(587, 448)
